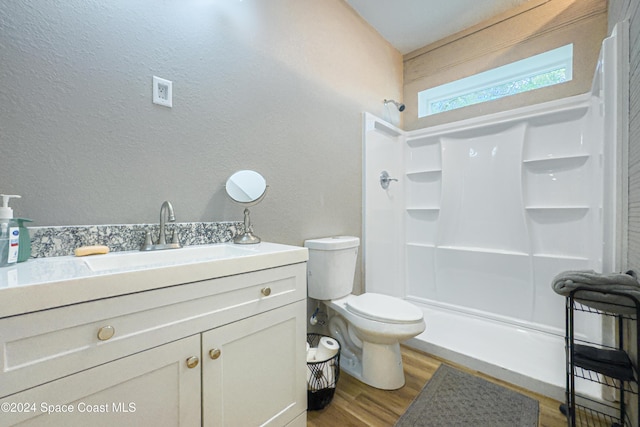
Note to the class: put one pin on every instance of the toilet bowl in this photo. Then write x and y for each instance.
(370, 326)
(379, 323)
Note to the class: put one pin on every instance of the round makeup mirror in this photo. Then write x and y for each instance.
(248, 188)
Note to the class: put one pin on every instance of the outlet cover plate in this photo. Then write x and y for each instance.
(162, 92)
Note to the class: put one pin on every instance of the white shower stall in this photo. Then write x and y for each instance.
(486, 211)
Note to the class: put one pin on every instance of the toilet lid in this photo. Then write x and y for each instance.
(384, 308)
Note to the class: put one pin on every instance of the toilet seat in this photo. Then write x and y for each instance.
(384, 308)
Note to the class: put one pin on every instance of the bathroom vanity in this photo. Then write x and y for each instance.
(215, 337)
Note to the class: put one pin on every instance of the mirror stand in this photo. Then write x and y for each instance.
(247, 238)
(247, 188)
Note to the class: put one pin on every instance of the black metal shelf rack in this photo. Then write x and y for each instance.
(596, 362)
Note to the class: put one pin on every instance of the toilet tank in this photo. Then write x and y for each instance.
(331, 266)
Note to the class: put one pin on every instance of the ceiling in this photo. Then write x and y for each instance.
(412, 24)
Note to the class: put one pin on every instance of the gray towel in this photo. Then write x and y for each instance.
(568, 281)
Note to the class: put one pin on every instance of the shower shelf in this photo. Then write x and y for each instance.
(425, 172)
(470, 249)
(389, 130)
(560, 256)
(423, 208)
(421, 245)
(557, 208)
(577, 158)
(482, 250)
(422, 140)
(592, 362)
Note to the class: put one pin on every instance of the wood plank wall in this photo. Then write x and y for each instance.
(620, 10)
(530, 29)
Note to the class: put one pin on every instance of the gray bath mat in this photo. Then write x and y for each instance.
(455, 398)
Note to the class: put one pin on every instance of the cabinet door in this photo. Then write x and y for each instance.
(253, 371)
(154, 388)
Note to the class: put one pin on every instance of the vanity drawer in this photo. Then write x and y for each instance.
(42, 346)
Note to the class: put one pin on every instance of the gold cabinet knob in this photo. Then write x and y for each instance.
(266, 291)
(106, 332)
(214, 353)
(192, 362)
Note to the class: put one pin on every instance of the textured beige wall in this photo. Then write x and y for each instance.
(278, 86)
(530, 29)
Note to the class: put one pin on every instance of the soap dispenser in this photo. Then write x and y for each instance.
(9, 233)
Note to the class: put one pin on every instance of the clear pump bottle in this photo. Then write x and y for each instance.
(9, 233)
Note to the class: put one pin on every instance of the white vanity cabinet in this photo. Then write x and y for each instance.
(251, 370)
(220, 352)
(154, 387)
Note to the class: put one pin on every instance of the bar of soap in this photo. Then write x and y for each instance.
(91, 250)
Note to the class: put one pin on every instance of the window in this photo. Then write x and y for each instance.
(546, 69)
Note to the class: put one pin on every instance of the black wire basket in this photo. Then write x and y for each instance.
(322, 376)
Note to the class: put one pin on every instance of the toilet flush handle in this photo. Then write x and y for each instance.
(385, 179)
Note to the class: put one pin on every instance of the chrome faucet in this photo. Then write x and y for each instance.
(166, 206)
(166, 210)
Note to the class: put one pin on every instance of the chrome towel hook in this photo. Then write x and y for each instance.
(385, 179)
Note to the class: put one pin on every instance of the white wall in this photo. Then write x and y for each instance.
(275, 86)
(384, 214)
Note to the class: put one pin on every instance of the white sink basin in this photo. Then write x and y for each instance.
(135, 260)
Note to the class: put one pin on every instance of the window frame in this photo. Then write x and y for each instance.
(536, 65)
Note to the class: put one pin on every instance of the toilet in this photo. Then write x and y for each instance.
(370, 326)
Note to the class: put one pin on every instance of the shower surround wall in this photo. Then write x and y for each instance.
(487, 212)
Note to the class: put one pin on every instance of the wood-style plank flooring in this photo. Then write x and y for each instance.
(356, 404)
